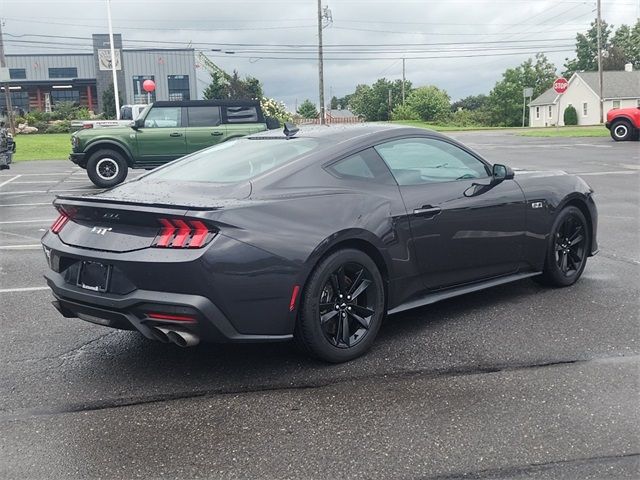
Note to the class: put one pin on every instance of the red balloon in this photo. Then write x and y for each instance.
(148, 85)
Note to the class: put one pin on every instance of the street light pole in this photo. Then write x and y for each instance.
(599, 29)
(320, 64)
(116, 93)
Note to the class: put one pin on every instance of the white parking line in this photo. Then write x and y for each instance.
(41, 220)
(617, 172)
(28, 192)
(42, 174)
(10, 180)
(38, 182)
(34, 246)
(25, 289)
(25, 204)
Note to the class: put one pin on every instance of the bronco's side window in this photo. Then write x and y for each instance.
(164, 117)
(242, 114)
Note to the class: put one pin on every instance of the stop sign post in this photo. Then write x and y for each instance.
(560, 86)
(148, 86)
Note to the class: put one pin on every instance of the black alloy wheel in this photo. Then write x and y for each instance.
(342, 307)
(568, 248)
(347, 305)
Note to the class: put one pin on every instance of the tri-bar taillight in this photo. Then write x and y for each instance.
(60, 222)
(178, 233)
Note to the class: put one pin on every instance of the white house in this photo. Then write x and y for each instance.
(619, 90)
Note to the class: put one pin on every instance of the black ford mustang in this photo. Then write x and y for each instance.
(314, 236)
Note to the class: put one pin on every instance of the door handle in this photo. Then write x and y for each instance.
(217, 134)
(175, 134)
(427, 211)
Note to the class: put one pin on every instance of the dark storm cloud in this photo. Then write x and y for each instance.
(356, 22)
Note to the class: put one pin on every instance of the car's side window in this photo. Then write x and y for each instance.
(164, 117)
(416, 161)
(204, 116)
(242, 114)
(365, 165)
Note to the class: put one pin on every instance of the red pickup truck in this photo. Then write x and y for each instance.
(624, 123)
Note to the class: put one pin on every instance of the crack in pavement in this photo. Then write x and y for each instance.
(509, 472)
(276, 387)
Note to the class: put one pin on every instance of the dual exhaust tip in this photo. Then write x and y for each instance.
(179, 336)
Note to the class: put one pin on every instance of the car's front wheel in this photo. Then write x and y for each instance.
(568, 248)
(107, 168)
(342, 307)
(621, 131)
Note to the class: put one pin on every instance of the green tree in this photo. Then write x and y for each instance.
(429, 103)
(372, 101)
(626, 41)
(471, 103)
(217, 88)
(344, 102)
(109, 102)
(570, 116)
(232, 87)
(587, 50)
(505, 100)
(334, 103)
(307, 109)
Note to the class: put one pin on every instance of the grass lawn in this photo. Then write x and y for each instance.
(53, 146)
(442, 128)
(591, 131)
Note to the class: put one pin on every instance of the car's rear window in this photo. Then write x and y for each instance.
(235, 161)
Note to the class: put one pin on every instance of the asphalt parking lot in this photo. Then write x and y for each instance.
(518, 381)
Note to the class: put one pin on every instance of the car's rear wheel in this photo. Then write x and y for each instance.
(342, 307)
(107, 168)
(621, 131)
(568, 249)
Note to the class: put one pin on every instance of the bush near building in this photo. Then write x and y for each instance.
(570, 116)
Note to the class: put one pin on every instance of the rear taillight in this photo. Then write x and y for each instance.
(60, 222)
(177, 233)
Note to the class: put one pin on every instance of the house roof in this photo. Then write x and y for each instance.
(616, 84)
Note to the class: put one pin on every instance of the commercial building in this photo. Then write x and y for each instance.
(620, 89)
(39, 81)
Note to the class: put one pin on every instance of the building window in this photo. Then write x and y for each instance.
(17, 73)
(550, 111)
(585, 109)
(19, 100)
(64, 72)
(69, 95)
(139, 95)
(616, 104)
(537, 112)
(178, 87)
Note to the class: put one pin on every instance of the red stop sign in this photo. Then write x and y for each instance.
(560, 85)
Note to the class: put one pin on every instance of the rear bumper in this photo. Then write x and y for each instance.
(608, 125)
(127, 311)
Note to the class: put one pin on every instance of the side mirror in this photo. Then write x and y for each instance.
(501, 173)
(272, 123)
(137, 123)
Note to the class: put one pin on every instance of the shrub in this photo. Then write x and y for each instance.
(404, 112)
(570, 116)
(429, 103)
(274, 108)
(61, 126)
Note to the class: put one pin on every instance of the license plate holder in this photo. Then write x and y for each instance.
(94, 276)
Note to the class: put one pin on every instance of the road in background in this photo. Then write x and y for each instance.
(518, 381)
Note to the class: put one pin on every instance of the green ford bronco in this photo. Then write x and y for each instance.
(163, 132)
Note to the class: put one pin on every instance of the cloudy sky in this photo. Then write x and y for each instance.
(276, 40)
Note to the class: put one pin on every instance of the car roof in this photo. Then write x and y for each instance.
(207, 103)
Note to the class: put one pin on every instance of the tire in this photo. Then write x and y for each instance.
(568, 249)
(107, 168)
(321, 330)
(622, 130)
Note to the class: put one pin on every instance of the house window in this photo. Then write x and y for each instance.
(64, 72)
(17, 73)
(178, 87)
(537, 112)
(550, 111)
(616, 104)
(139, 95)
(72, 96)
(585, 109)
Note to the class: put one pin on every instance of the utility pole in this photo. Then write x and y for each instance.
(320, 63)
(598, 3)
(403, 80)
(389, 105)
(7, 90)
(116, 94)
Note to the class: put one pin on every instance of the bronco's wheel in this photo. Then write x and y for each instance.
(342, 307)
(107, 168)
(568, 248)
(621, 131)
